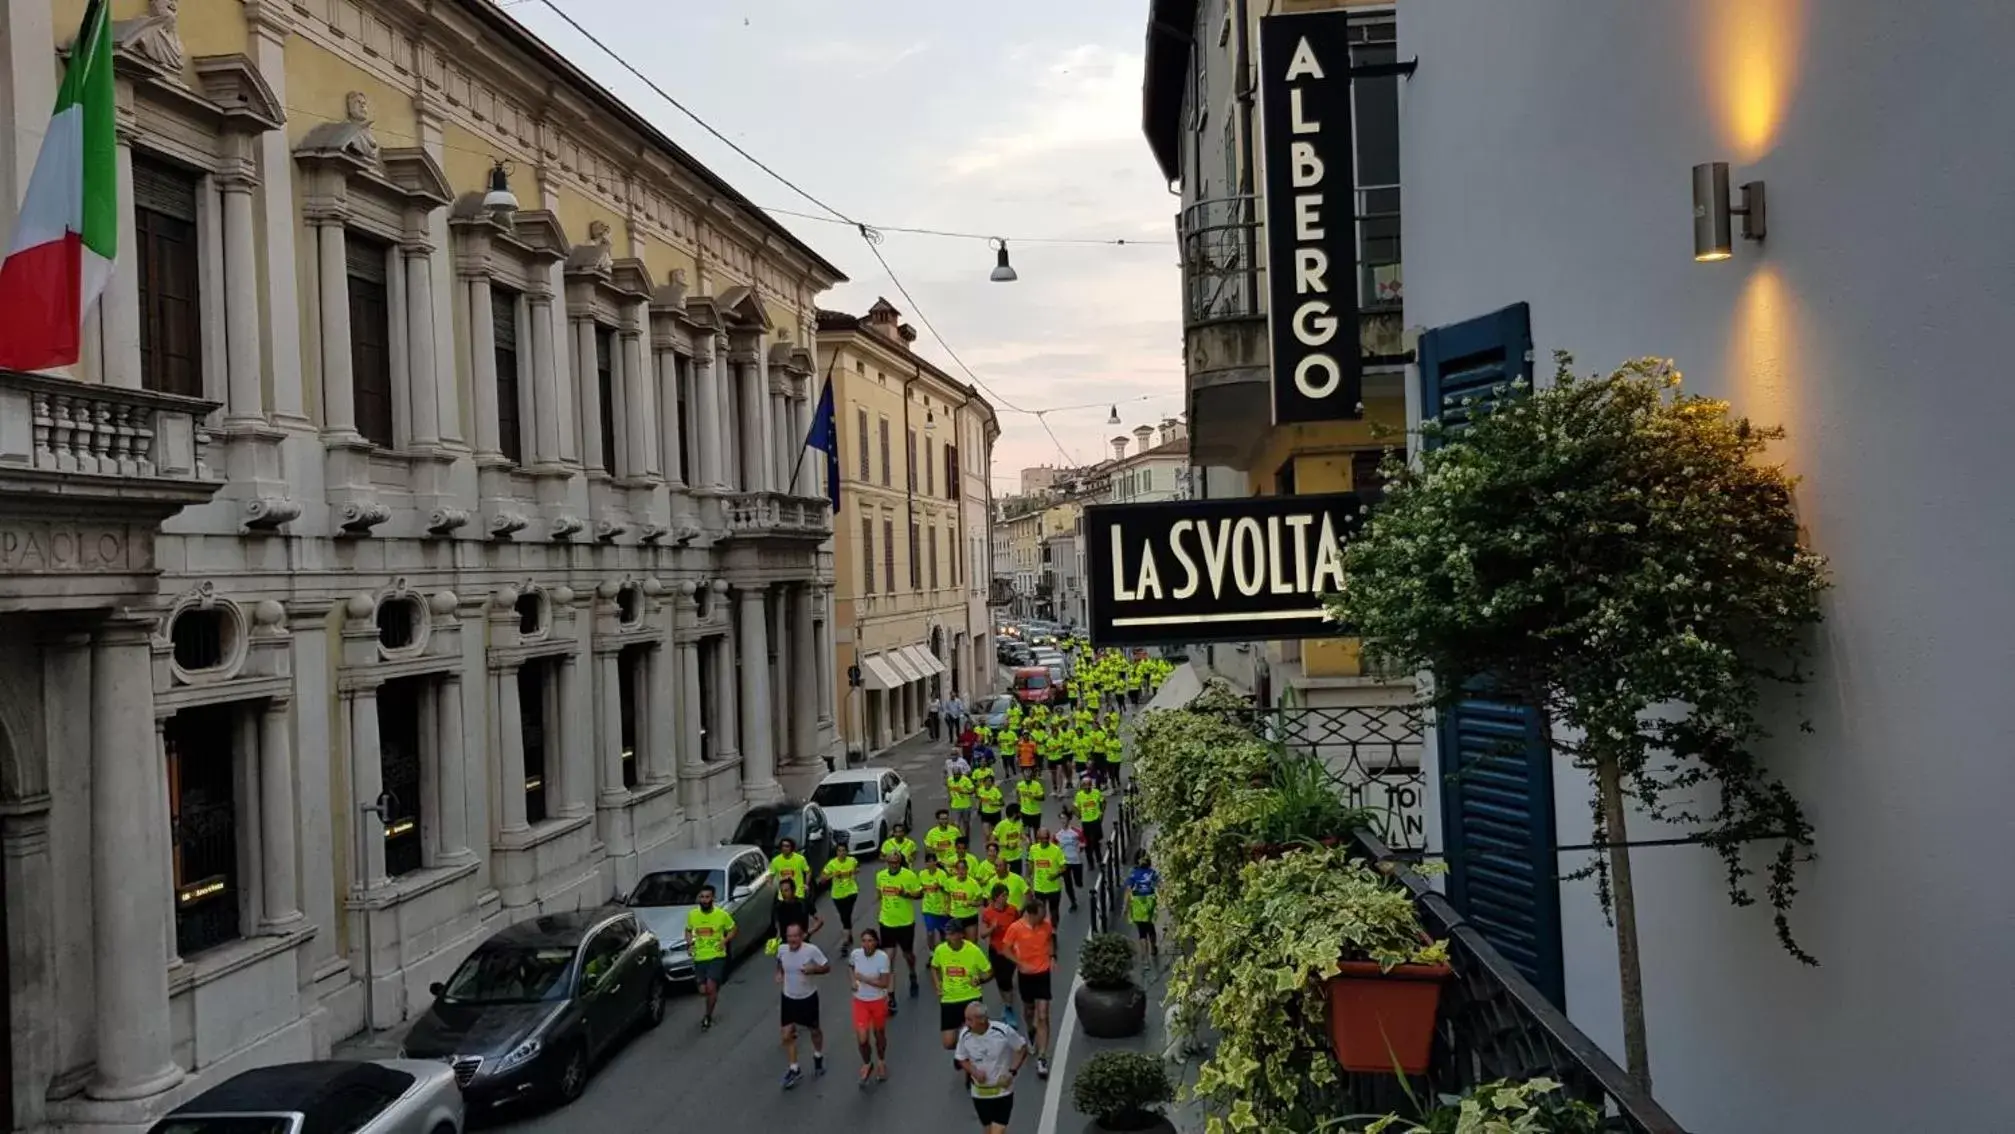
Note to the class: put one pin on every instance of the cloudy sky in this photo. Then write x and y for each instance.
(1021, 119)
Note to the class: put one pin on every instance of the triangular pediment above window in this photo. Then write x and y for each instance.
(538, 231)
(418, 176)
(631, 276)
(704, 312)
(739, 308)
(233, 85)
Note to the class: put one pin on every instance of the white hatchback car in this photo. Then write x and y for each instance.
(864, 805)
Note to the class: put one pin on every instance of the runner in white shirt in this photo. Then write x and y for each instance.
(872, 972)
(798, 961)
(991, 1055)
(1070, 837)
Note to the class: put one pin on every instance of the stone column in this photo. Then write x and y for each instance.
(706, 404)
(811, 470)
(827, 680)
(453, 761)
(753, 428)
(424, 400)
(269, 27)
(546, 435)
(367, 783)
(119, 306)
(661, 717)
(669, 442)
(609, 682)
(574, 741)
(244, 360)
(509, 746)
(281, 887)
(641, 413)
(339, 399)
(131, 925)
(482, 363)
(759, 774)
(588, 395)
(805, 673)
(727, 708)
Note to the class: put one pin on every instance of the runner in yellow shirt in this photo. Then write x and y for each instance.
(788, 863)
(710, 934)
(960, 970)
(841, 874)
(1046, 861)
(896, 885)
(1009, 833)
(939, 839)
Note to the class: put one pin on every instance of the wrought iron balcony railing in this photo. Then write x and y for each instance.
(1495, 1025)
(1224, 255)
(1372, 751)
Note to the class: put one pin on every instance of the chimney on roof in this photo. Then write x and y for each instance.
(1167, 430)
(884, 320)
(1119, 448)
(1144, 434)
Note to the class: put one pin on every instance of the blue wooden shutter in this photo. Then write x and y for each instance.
(1496, 769)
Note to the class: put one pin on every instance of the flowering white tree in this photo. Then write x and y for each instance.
(1612, 551)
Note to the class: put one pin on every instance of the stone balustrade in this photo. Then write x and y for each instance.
(758, 515)
(60, 426)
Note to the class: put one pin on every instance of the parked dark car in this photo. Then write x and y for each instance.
(329, 1096)
(529, 1013)
(767, 825)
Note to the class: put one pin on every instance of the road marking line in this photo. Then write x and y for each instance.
(1052, 1096)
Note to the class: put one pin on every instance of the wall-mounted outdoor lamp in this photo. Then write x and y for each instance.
(1712, 239)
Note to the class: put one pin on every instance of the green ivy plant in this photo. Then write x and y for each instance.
(1535, 1106)
(1619, 554)
(1259, 951)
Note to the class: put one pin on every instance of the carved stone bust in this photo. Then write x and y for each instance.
(598, 233)
(357, 110)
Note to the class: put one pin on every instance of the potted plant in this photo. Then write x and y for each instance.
(1109, 1004)
(1124, 1091)
(1538, 1106)
(1385, 995)
(1303, 806)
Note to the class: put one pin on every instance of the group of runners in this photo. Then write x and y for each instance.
(989, 918)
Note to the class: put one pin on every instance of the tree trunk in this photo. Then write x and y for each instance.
(1623, 902)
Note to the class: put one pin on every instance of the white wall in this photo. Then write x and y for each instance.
(1547, 145)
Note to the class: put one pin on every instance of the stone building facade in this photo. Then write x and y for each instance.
(395, 565)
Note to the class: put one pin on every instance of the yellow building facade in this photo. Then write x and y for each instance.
(911, 438)
(454, 555)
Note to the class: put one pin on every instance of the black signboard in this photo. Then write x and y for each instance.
(1311, 216)
(1244, 569)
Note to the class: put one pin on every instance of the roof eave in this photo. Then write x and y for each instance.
(1166, 63)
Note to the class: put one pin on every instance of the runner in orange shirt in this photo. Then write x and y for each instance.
(1025, 754)
(1030, 943)
(996, 918)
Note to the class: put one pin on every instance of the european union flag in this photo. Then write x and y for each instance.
(825, 437)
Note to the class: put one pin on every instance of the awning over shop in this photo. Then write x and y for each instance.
(923, 661)
(896, 661)
(877, 674)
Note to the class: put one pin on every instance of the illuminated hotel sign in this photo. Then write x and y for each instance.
(1311, 217)
(1215, 570)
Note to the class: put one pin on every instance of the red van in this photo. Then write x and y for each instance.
(1033, 685)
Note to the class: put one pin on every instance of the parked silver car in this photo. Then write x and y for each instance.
(740, 876)
(389, 1096)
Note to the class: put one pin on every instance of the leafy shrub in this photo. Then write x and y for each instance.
(1536, 1106)
(1106, 960)
(1115, 1085)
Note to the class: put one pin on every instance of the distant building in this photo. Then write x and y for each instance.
(1039, 479)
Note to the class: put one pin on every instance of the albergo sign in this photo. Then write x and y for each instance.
(1249, 568)
(1311, 217)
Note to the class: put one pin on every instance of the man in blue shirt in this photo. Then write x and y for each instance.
(1141, 886)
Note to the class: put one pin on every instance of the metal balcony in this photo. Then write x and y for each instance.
(1224, 279)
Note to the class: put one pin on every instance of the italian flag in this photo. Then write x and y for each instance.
(68, 230)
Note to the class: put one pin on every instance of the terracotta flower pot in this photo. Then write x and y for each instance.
(1379, 1021)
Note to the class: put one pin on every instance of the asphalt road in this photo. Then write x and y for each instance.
(728, 1079)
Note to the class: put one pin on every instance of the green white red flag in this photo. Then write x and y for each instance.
(68, 229)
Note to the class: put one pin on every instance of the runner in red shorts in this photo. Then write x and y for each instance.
(873, 972)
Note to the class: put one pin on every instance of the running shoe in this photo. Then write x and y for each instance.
(1041, 1067)
(818, 1066)
(792, 1078)
(706, 1023)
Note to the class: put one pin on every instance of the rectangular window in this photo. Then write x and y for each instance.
(952, 550)
(630, 665)
(866, 449)
(951, 472)
(867, 555)
(910, 462)
(930, 475)
(605, 384)
(888, 459)
(370, 338)
(504, 329)
(682, 374)
(532, 734)
(889, 556)
(400, 750)
(203, 826)
(931, 547)
(164, 228)
(916, 561)
(709, 749)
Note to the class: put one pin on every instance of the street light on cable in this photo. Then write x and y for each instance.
(1003, 271)
(1113, 418)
